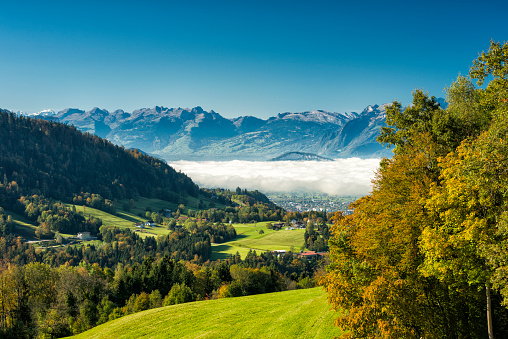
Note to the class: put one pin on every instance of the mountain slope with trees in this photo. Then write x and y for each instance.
(56, 160)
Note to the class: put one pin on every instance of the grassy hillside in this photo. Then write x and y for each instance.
(290, 314)
(249, 238)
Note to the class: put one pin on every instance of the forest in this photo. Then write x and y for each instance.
(425, 254)
(57, 161)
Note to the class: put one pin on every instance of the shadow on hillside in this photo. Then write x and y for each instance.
(24, 231)
(127, 217)
(220, 248)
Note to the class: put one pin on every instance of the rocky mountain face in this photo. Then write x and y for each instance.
(194, 134)
(300, 156)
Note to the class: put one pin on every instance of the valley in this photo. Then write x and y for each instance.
(250, 169)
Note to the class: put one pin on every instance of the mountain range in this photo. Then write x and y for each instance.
(194, 134)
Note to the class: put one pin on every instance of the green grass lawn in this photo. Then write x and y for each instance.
(123, 220)
(141, 204)
(290, 314)
(248, 238)
(22, 226)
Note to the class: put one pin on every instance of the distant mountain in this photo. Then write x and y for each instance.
(300, 156)
(194, 134)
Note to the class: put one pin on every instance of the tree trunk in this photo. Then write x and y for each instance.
(489, 313)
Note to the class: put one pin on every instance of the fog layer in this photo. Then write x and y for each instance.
(342, 177)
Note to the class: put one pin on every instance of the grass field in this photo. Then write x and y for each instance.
(23, 226)
(141, 204)
(123, 220)
(290, 314)
(249, 239)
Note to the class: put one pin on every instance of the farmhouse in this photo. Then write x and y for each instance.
(85, 236)
(278, 225)
(297, 224)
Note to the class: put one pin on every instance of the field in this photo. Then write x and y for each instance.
(248, 235)
(23, 226)
(290, 314)
(248, 238)
(124, 219)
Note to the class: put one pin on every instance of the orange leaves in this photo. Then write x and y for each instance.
(373, 277)
(410, 260)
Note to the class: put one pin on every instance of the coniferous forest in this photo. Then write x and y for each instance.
(57, 161)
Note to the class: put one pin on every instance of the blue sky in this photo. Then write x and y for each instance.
(237, 57)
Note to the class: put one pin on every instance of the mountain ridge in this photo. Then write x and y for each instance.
(58, 161)
(196, 134)
(299, 156)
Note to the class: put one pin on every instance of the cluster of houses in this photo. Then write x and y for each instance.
(294, 225)
(145, 224)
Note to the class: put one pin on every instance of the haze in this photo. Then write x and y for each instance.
(343, 177)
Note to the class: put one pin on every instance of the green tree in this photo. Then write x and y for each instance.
(105, 309)
(155, 299)
(179, 294)
(142, 302)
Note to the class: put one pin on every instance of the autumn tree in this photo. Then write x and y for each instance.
(468, 241)
(410, 261)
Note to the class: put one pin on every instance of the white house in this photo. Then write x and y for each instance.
(84, 236)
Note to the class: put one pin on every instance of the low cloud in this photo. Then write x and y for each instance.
(343, 177)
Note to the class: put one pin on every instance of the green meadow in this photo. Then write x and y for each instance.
(122, 219)
(248, 235)
(290, 314)
(249, 238)
(22, 226)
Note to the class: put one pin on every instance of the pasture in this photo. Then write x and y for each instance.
(249, 238)
(290, 314)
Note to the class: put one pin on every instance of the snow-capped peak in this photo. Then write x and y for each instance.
(44, 113)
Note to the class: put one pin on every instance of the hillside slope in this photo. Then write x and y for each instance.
(57, 161)
(290, 314)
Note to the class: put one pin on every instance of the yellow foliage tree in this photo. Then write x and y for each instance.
(410, 261)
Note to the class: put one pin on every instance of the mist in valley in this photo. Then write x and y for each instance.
(341, 177)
